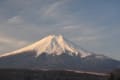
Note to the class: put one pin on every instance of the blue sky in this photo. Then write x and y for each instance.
(92, 24)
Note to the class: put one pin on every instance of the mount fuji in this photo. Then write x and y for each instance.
(56, 53)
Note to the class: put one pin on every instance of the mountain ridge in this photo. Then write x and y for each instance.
(51, 44)
(55, 52)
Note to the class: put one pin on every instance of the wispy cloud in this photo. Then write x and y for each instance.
(16, 20)
(70, 27)
(51, 8)
(8, 43)
(87, 38)
(12, 41)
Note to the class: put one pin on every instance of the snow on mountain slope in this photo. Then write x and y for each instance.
(54, 45)
(55, 52)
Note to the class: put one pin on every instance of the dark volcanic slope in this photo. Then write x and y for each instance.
(27, 60)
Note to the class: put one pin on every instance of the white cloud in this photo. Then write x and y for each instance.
(16, 20)
(87, 38)
(53, 10)
(8, 43)
(70, 27)
(11, 41)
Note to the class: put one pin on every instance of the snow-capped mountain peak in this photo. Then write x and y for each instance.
(55, 45)
(52, 45)
(55, 52)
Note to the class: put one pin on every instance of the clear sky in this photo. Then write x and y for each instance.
(92, 24)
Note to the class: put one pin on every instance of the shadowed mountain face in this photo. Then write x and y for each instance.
(27, 60)
(53, 52)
